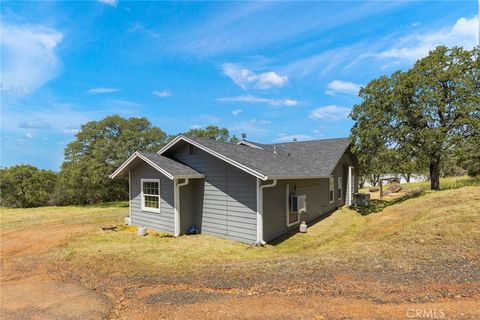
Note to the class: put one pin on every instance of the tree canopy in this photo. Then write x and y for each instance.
(422, 115)
(99, 148)
(213, 133)
(24, 186)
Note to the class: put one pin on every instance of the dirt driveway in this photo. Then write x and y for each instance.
(37, 284)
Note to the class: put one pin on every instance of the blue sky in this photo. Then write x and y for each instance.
(274, 70)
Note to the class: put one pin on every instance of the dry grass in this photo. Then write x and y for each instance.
(436, 218)
(443, 218)
(16, 218)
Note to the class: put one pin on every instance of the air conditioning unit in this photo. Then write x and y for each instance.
(298, 203)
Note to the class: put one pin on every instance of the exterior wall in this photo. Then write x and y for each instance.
(318, 204)
(225, 201)
(187, 206)
(163, 221)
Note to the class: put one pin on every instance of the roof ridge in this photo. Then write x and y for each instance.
(316, 140)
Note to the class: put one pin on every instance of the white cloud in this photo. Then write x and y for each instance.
(29, 135)
(162, 93)
(250, 126)
(253, 99)
(317, 133)
(112, 3)
(29, 58)
(70, 130)
(246, 79)
(102, 90)
(331, 112)
(342, 87)
(236, 112)
(195, 126)
(415, 46)
(290, 138)
(36, 123)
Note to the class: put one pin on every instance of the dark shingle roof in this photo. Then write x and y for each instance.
(173, 167)
(298, 159)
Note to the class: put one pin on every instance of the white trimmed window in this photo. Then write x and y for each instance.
(340, 188)
(151, 195)
(292, 217)
(331, 188)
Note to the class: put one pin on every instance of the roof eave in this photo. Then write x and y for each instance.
(214, 153)
(294, 177)
(138, 155)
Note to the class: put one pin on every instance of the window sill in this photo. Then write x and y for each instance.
(151, 210)
(292, 224)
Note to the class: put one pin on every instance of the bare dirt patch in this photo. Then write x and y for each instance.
(403, 263)
(32, 285)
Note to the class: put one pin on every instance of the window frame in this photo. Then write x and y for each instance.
(340, 188)
(331, 189)
(142, 195)
(288, 204)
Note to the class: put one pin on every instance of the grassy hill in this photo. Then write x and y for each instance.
(421, 252)
(428, 223)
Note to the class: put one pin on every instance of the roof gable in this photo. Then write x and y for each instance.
(170, 168)
(310, 159)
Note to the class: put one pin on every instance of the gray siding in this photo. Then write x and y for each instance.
(162, 221)
(225, 203)
(316, 190)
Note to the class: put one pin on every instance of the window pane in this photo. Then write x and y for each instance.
(150, 188)
(151, 202)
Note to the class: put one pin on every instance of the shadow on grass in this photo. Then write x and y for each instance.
(121, 204)
(294, 229)
(377, 205)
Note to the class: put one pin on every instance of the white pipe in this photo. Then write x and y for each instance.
(176, 205)
(129, 196)
(260, 188)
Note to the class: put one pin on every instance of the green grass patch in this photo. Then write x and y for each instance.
(377, 205)
(23, 217)
(450, 217)
(447, 183)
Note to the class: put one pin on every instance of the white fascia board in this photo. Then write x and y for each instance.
(138, 155)
(214, 153)
(166, 173)
(163, 171)
(126, 163)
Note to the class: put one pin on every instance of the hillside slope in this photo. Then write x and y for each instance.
(420, 254)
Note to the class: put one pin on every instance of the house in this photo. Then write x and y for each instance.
(248, 192)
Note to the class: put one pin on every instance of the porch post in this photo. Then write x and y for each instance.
(176, 205)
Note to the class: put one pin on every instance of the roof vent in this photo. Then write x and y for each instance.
(275, 149)
(294, 139)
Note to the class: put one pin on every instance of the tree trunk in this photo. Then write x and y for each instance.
(361, 181)
(435, 174)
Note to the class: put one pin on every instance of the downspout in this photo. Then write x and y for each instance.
(349, 186)
(129, 220)
(176, 205)
(260, 188)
